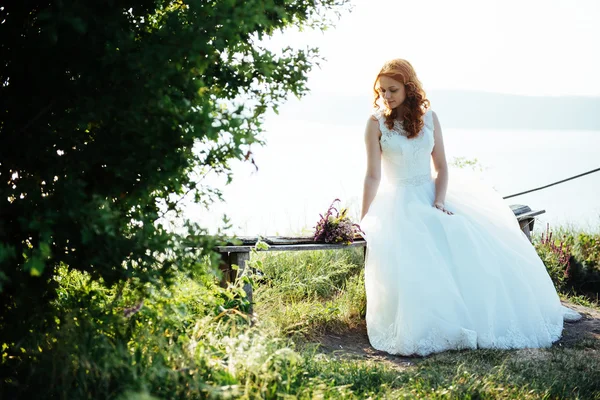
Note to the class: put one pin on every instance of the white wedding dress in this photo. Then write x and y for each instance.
(436, 282)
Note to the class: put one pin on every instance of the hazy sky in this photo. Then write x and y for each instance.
(526, 47)
(531, 47)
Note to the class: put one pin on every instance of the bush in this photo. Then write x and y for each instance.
(572, 261)
(110, 112)
(588, 249)
(179, 344)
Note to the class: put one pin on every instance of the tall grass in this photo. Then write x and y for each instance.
(304, 295)
(192, 342)
(309, 293)
(181, 343)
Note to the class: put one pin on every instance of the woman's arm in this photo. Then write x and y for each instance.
(373, 175)
(439, 162)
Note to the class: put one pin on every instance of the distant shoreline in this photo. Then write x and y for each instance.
(481, 110)
(460, 110)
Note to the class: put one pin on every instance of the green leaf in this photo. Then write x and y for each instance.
(34, 265)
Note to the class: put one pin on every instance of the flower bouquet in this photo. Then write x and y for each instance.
(335, 226)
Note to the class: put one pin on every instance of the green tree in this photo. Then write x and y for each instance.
(106, 109)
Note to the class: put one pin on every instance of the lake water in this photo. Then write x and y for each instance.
(305, 165)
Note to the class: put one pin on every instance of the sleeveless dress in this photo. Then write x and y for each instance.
(437, 282)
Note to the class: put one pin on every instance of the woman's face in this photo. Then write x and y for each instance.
(392, 92)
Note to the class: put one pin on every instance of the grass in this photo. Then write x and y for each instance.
(553, 373)
(305, 295)
(191, 342)
(581, 300)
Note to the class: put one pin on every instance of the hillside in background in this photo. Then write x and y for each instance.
(464, 110)
(479, 110)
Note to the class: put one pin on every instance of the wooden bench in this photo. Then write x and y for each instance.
(240, 254)
(526, 217)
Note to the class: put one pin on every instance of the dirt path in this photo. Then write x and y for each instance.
(586, 328)
(355, 343)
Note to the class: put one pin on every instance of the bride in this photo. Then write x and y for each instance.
(447, 265)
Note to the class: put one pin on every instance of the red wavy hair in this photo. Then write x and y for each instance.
(415, 104)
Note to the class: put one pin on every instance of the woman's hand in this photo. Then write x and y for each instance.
(441, 207)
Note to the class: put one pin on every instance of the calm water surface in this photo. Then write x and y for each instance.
(306, 165)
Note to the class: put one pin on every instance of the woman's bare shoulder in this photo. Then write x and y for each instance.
(373, 121)
(372, 128)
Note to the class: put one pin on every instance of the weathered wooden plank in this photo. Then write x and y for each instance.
(289, 240)
(241, 259)
(522, 213)
(530, 215)
(293, 247)
(271, 240)
(519, 209)
(242, 241)
(251, 240)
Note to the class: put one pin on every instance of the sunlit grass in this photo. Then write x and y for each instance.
(308, 293)
(183, 344)
(302, 297)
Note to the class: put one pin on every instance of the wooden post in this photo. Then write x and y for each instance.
(241, 259)
(225, 268)
(526, 225)
(525, 215)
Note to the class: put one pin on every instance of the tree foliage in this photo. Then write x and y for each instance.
(106, 109)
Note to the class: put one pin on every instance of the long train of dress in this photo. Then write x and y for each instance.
(435, 281)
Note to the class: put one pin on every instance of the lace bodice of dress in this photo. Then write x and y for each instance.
(406, 161)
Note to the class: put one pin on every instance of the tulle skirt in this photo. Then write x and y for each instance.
(436, 282)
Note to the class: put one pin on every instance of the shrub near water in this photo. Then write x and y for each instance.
(588, 249)
(136, 104)
(572, 259)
